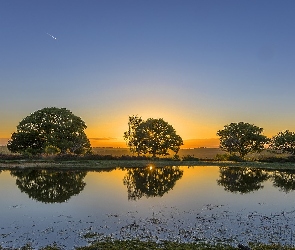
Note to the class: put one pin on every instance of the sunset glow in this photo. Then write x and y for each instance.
(199, 65)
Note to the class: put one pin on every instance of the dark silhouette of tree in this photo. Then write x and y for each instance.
(153, 136)
(50, 186)
(284, 180)
(50, 130)
(241, 180)
(130, 135)
(150, 181)
(284, 142)
(242, 138)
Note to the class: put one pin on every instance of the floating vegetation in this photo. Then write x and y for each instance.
(213, 225)
(166, 245)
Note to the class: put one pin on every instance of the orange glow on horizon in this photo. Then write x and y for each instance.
(193, 143)
(107, 143)
(197, 143)
(110, 142)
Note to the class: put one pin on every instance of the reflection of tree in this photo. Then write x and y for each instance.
(50, 186)
(285, 180)
(150, 181)
(241, 180)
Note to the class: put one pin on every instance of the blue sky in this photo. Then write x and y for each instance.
(198, 64)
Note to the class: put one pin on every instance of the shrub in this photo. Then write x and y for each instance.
(190, 158)
(228, 157)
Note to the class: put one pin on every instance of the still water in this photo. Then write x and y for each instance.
(189, 204)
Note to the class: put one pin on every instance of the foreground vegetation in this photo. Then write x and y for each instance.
(112, 158)
(141, 245)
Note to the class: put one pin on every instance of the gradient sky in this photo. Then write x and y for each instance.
(198, 64)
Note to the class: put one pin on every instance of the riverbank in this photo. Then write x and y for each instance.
(112, 164)
(109, 158)
(166, 245)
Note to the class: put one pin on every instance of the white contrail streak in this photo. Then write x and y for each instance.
(51, 36)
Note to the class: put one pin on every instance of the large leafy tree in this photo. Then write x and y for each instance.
(153, 136)
(130, 135)
(50, 128)
(50, 186)
(151, 181)
(242, 138)
(241, 180)
(284, 142)
(284, 179)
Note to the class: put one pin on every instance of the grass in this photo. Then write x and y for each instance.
(93, 162)
(113, 164)
(143, 245)
(111, 158)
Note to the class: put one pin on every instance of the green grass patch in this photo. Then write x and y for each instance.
(113, 164)
(142, 245)
(112, 158)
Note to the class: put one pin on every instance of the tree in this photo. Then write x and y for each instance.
(153, 136)
(130, 135)
(284, 142)
(284, 179)
(50, 128)
(50, 186)
(241, 180)
(242, 138)
(151, 181)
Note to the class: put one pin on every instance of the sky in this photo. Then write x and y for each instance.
(198, 64)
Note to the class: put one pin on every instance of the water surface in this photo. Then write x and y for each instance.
(204, 204)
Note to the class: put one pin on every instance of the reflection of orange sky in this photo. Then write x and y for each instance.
(199, 175)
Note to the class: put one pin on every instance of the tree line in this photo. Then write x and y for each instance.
(58, 131)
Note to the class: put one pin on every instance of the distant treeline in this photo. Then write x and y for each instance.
(197, 154)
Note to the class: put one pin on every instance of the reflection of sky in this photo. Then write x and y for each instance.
(195, 202)
(198, 64)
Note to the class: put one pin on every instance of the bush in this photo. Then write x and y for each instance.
(11, 157)
(228, 157)
(273, 159)
(190, 158)
(222, 157)
(52, 150)
(176, 158)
